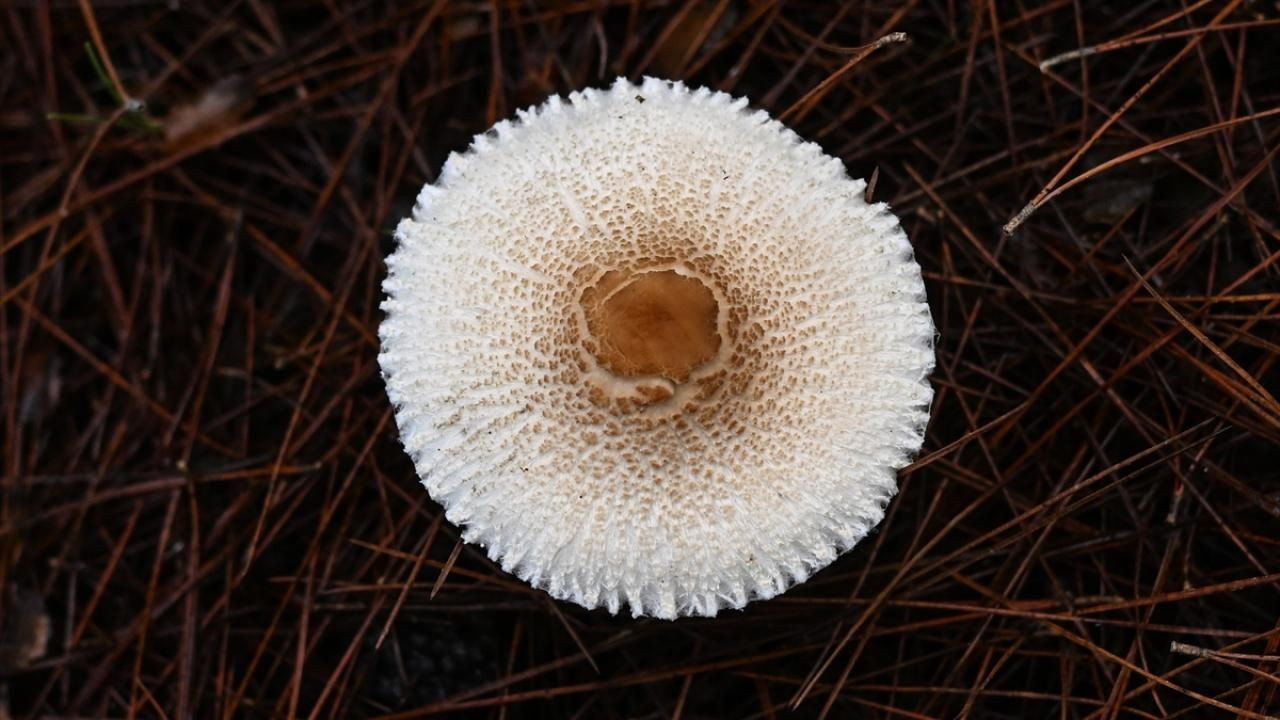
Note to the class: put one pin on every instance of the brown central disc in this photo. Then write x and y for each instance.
(652, 323)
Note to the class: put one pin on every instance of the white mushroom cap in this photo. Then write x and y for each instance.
(649, 348)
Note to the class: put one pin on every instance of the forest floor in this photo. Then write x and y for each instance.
(206, 511)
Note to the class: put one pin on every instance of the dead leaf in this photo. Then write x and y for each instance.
(219, 107)
(24, 635)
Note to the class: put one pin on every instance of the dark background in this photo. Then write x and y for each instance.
(205, 510)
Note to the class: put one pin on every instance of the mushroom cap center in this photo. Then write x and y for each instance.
(652, 323)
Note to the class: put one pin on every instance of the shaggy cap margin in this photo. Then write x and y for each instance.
(767, 453)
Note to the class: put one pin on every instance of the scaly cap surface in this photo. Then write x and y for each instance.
(649, 348)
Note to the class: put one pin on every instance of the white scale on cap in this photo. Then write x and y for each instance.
(649, 348)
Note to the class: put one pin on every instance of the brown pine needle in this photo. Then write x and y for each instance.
(800, 108)
(1043, 198)
(91, 22)
(1091, 50)
(205, 507)
(1113, 118)
(1261, 393)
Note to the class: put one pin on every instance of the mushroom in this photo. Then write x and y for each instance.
(649, 348)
